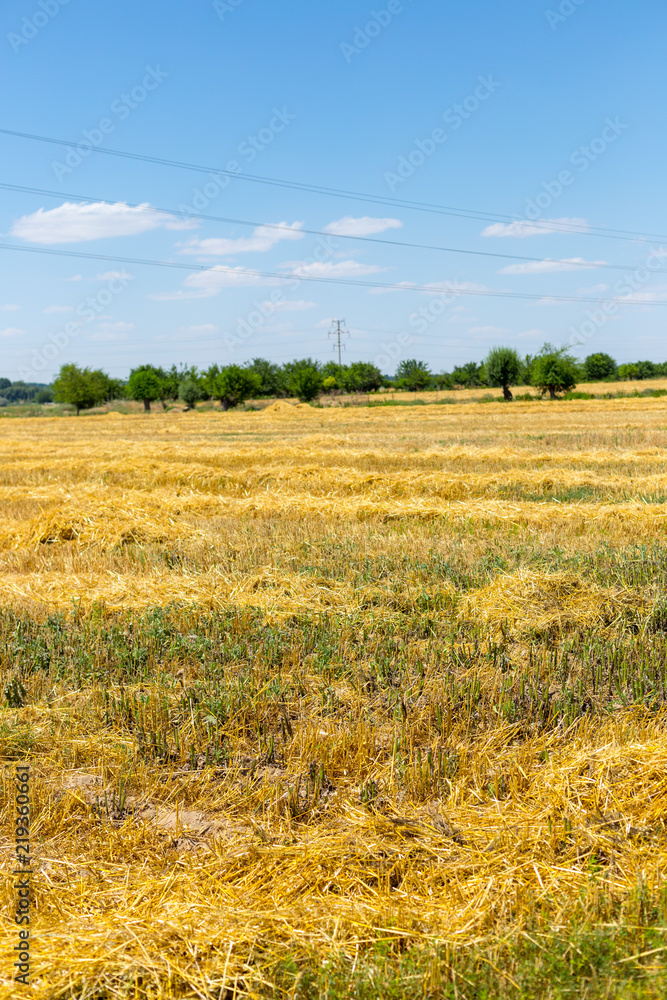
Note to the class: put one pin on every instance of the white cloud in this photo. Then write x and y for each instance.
(108, 337)
(12, 331)
(489, 329)
(592, 290)
(110, 333)
(110, 276)
(656, 294)
(294, 306)
(365, 226)
(549, 266)
(116, 327)
(205, 284)
(325, 269)
(9, 308)
(453, 288)
(105, 276)
(263, 238)
(57, 309)
(198, 330)
(77, 223)
(541, 227)
(210, 282)
(391, 288)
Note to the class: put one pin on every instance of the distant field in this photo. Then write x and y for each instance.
(466, 395)
(340, 702)
(383, 396)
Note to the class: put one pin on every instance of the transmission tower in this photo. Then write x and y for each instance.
(338, 333)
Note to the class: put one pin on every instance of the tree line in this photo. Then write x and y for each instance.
(551, 371)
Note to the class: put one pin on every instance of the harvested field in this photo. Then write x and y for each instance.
(362, 702)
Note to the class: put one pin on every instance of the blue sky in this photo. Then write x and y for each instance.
(544, 111)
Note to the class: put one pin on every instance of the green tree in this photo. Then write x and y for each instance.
(526, 369)
(80, 387)
(304, 379)
(414, 375)
(103, 385)
(554, 371)
(232, 384)
(648, 369)
(443, 380)
(190, 392)
(629, 371)
(145, 384)
(599, 367)
(503, 369)
(339, 373)
(363, 377)
(169, 383)
(21, 392)
(117, 389)
(306, 383)
(271, 375)
(469, 375)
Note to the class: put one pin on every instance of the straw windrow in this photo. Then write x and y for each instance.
(321, 697)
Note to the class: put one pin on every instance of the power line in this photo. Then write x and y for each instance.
(451, 289)
(317, 232)
(403, 287)
(338, 333)
(547, 226)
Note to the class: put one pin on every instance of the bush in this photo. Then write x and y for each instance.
(599, 367)
(304, 379)
(190, 392)
(413, 375)
(363, 377)
(306, 384)
(232, 384)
